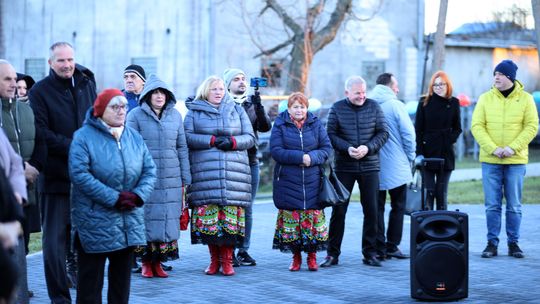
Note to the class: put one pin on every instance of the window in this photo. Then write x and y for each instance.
(36, 68)
(370, 71)
(272, 69)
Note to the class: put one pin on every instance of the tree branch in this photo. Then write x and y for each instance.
(274, 49)
(297, 29)
(329, 31)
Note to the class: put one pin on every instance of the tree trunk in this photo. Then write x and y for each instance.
(536, 15)
(438, 44)
(298, 68)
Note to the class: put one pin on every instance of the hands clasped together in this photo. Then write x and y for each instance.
(358, 153)
(127, 201)
(503, 152)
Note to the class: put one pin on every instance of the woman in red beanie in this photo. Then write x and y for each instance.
(112, 175)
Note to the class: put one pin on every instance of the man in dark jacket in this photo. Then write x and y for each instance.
(357, 129)
(60, 102)
(235, 82)
(134, 79)
(17, 121)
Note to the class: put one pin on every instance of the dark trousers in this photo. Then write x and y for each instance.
(369, 188)
(394, 233)
(55, 211)
(92, 271)
(436, 183)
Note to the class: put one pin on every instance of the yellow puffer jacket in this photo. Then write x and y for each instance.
(499, 122)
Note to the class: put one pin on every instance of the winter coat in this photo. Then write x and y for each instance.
(438, 125)
(499, 122)
(260, 121)
(60, 109)
(166, 142)
(100, 168)
(397, 153)
(296, 187)
(133, 100)
(350, 125)
(12, 164)
(218, 177)
(17, 120)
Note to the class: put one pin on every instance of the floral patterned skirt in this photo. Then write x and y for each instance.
(158, 251)
(218, 225)
(301, 230)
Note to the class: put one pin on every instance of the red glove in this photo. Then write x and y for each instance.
(127, 201)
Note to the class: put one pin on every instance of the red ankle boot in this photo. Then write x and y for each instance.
(158, 271)
(226, 260)
(296, 261)
(312, 261)
(147, 270)
(213, 268)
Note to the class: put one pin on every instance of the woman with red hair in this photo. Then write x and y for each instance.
(438, 125)
(300, 146)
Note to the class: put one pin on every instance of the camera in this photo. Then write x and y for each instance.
(258, 82)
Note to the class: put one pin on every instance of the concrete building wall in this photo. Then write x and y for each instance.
(190, 40)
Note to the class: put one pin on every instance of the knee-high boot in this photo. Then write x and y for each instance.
(312, 261)
(213, 268)
(226, 260)
(296, 261)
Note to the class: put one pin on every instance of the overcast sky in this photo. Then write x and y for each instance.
(464, 11)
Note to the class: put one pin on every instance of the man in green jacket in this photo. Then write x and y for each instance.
(504, 122)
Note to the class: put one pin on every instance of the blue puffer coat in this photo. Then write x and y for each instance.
(218, 177)
(100, 168)
(297, 187)
(166, 141)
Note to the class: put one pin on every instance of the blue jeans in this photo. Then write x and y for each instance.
(249, 210)
(499, 180)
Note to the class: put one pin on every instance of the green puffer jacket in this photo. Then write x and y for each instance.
(17, 121)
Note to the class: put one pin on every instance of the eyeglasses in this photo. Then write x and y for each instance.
(439, 85)
(117, 108)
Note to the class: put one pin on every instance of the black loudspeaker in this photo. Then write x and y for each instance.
(439, 255)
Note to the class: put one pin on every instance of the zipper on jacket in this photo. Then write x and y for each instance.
(279, 172)
(303, 172)
(15, 127)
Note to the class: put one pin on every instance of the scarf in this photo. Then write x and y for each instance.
(239, 99)
(115, 131)
(298, 123)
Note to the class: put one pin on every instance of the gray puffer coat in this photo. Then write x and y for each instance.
(166, 141)
(218, 177)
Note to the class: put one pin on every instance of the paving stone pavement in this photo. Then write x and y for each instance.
(499, 280)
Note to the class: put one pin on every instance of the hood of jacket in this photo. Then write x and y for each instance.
(203, 105)
(152, 83)
(382, 94)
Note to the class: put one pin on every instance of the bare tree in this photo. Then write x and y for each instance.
(536, 15)
(438, 44)
(304, 38)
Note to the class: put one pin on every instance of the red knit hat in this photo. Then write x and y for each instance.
(103, 100)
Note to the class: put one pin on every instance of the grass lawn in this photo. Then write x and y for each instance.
(470, 162)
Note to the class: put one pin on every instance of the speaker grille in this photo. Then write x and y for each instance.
(441, 267)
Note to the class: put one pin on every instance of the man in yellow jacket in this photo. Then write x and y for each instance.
(504, 122)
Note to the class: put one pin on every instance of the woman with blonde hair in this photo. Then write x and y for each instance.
(218, 134)
(438, 125)
(300, 146)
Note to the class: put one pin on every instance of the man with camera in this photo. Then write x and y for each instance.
(235, 82)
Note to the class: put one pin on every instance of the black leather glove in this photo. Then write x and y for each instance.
(256, 99)
(224, 143)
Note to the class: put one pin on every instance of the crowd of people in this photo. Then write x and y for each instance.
(110, 173)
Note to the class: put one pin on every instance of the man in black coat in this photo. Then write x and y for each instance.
(236, 84)
(60, 102)
(357, 129)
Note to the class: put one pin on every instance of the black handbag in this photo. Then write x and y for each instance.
(332, 192)
(413, 202)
